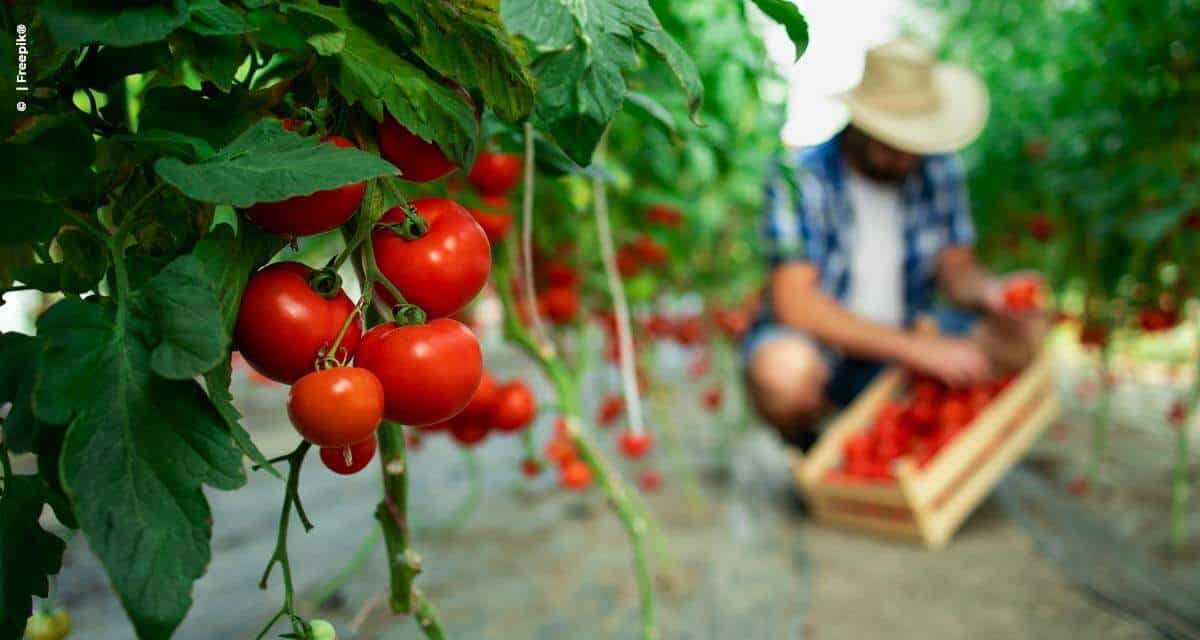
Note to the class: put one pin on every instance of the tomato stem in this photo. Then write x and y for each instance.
(635, 520)
(291, 497)
(544, 343)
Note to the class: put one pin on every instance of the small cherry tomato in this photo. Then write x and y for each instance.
(575, 475)
(336, 407)
(495, 174)
(349, 460)
(321, 630)
(1022, 294)
(560, 450)
(483, 403)
(531, 468)
(429, 371)
(495, 218)
(611, 407)
(417, 159)
(664, 214)
(559, 304)
(468, 433)
(713, 398)
(48, 625)
(650, 480)
(283, 324)
(442, 270)
(308, 215)
(515, 407)
(635, 445)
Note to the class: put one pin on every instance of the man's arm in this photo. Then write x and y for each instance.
(963, 281)
(799, 303)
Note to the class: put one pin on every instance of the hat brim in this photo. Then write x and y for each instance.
(955, 123)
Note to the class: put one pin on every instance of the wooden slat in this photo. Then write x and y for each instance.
(961, 453)
(888, 494)
(905, 530)
(946, 519)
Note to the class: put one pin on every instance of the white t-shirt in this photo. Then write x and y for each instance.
(877, 252)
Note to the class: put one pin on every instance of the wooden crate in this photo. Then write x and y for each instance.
(927, 505)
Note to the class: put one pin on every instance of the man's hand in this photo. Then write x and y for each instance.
(955, 361)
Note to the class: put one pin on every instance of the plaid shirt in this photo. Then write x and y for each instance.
(817, 224)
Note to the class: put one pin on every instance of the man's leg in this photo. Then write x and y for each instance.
(786, 377)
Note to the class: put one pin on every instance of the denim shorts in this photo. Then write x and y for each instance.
(848, 376)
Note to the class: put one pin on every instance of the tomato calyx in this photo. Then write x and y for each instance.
(406, 314)
(414, 226)
(326, 282)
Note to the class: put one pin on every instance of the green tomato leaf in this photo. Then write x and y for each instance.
(467, 40)
(228, 259)
(216, 120)
(49, 161)
(217, 383)
(214, 58)
(366, 70)
(151, 143)
(268, 164)
(211, 18)
(190, 338)
(18, 357)
(648, 110)
(112, 22)
(1153, 227)
(547, 23)
(28, 553)
(138, 449)
(84, 261)
(681, 66)
(29, 220)
(786, 13)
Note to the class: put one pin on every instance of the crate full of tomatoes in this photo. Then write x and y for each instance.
(911, 459)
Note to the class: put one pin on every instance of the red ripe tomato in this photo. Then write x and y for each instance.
(495, 174)
(954, 414)
(495, 217)
(635, 445)
(611, 407)
(1041, 227)
(689, 331)
(560, 427)
(560, 274)
(857, 447)
(312, 214)
(515, 407)
(283, 325)
(468, 433)
(559, 304)
(650, 251)
(429, 371)
(979, 398)
(417, 159)
(922, 416)
(560, 450)
(484, 402)
(664, 214)
(1192, 220)
(336, 407)
(575, 475)
(442, 270)
(650, 480)
(1093, 335)
(1155, 319)
(531, 468)
(926, 390)
(659, 326)
(733, 322)
(1177, 414)
(628, 263)
(713, 398)
(1022, 294)
(360, 454)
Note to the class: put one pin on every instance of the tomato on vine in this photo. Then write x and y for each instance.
(468, 432)
(495, 174)
(635, 445)
(664, 214)
(308, 215)
(559, 304)
(417, 159)
(485, 400)
(290, 316)
(575, 475)
(336, 407)
(352, 459)
(321, 630)
(531, 468)
(515, 407)
(611, 407)
(439, 270)
(48, 625)
(429, 371)
(495, 217)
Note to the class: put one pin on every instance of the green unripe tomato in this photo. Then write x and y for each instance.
(48, 625)
(321, 630)
(641, 288)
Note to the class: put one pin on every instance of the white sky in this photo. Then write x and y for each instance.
(840, 32)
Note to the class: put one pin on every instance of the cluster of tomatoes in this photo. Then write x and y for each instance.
(920, 425)
(297, 326)
(503, 408)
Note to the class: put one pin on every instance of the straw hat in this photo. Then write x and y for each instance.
(912, 102)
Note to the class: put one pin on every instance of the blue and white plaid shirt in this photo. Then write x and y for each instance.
(817, 224)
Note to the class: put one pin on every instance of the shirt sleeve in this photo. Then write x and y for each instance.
(787, 224)
(953, 187)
